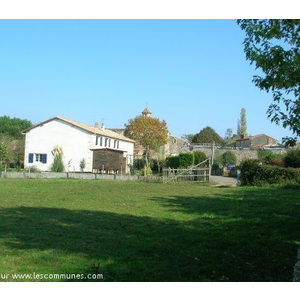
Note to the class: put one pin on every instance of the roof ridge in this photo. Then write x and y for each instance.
(89, 128)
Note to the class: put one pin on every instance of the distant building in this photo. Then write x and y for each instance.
(256, 142)
(102, 149)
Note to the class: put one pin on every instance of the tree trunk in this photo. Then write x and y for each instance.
(147, 157)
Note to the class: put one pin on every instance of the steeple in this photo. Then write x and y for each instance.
(146, 112)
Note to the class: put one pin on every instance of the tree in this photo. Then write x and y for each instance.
(228, 157)
(273, 46)
(243, 122)
(188, 137)
(3, 153)
(207, 135)
(149, 132)
(238, 130)
(13, 127)
(228, 134)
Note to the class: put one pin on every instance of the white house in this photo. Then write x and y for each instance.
(103, 150)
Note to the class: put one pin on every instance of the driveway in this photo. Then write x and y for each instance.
(224, 181)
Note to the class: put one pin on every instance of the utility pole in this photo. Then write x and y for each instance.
(213, 153)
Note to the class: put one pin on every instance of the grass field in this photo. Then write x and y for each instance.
(133, 231)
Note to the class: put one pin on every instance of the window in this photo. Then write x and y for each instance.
(106, 140)
(38, 158)
(109, 143)
(118, 144)
(101, 141)
(97, 140)
(115, 143)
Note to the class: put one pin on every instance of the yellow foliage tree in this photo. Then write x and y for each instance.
(149, 132)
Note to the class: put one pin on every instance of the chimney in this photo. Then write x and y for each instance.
(96, 125)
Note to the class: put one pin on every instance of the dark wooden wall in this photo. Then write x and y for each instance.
(110, 159)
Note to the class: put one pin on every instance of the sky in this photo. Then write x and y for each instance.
(190, 73)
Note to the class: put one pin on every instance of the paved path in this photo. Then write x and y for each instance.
(224, 181)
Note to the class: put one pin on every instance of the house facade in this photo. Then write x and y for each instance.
(256, 142)
(103, 150)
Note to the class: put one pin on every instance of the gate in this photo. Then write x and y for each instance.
(198, 173)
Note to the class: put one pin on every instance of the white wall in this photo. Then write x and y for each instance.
(74, 142)
(76, 145)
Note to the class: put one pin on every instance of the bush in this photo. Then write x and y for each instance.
(186, 160)
(199, 157)
(277, 161)
(82, 165)
(58, 165)
(172, 162)
(157, 165)
(270, 158)
(254, 173)
(147, 171)
(138, 164)
(228, 157)
(292, 158)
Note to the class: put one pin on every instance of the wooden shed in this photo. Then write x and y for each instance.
(109, 160)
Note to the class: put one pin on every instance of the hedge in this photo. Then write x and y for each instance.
(172, 162)
(199, 157)
(255, 174)
(186, 160)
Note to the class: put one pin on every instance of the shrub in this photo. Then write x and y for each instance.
(172, 162)
(270, 158)
(278, 161)
(147, 171)
(186, 160)
(254, 173)
(157, 165)
(82, 165)
(292, 158)
(138, 164)
(228, 157)
(58, 165)
(199, 157)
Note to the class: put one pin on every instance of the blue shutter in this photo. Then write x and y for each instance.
(44, 158)
(30, 158)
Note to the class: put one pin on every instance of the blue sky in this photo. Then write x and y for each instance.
(192, 73)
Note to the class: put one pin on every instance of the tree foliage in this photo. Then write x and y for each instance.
(13, 127)
(228, 157)
(243, 122)
(207, 135)
(273, 46)
(186, 160)
(199, 157)
(149, 132)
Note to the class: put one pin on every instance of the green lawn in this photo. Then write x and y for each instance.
(133, 231)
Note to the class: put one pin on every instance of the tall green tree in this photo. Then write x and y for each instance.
(208, 135)
(273, 46)
(238, 129)
(243, 122)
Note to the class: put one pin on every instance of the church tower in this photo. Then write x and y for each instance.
(146, 112)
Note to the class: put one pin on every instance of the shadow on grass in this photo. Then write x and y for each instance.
(244, 235)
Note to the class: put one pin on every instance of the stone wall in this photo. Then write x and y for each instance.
(241, 154)
(66, 175)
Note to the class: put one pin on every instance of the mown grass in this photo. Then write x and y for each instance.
(133, 231)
